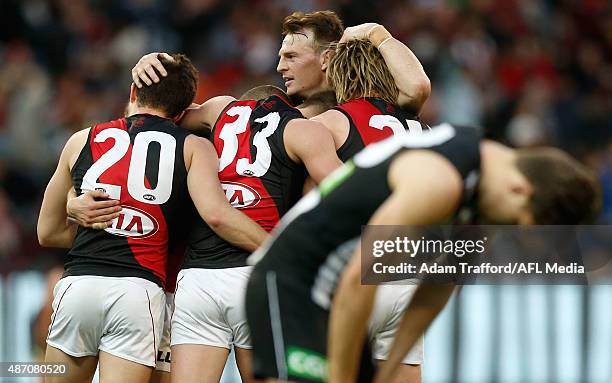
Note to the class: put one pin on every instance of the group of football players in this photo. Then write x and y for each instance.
(265, 272)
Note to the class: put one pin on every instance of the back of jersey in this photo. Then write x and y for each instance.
(255, 171)
(371, 120)
(138, 160)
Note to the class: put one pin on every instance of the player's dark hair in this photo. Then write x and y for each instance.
(326, 26)
(263, 91)
(357, 70)
(176, 91)
(565, 192)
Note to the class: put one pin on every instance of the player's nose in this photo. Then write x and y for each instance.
(282, 66)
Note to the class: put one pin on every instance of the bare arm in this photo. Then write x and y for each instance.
(53, 228)
(206, 192)
(420, 176)
(410, 77)
(311, 143)
(201, 117)
(337, 124)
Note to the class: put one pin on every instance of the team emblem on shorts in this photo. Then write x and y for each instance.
(240, 195)
(133, 222)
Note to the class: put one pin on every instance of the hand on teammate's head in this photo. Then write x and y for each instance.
(147, 68)
(357, 32)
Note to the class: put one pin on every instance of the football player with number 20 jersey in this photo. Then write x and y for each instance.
(109, 306)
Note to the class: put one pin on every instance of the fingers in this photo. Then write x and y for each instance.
(147, 69)
(98, 194)
(104, 221)
(110, 203)
(108, 218)
(135, 78)
(101, 214)
(160, 68)
(141, 71)
(101, 225)
(167, 57)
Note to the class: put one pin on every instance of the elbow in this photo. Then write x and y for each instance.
(424, 88)
(46, 239)
(419, 93)
(215, 219)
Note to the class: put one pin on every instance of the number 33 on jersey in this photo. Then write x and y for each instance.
(255, 171)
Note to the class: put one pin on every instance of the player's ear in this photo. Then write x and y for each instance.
(133, 91)
(178, 117)
(325, 57)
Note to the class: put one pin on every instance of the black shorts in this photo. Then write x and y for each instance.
(289, 331)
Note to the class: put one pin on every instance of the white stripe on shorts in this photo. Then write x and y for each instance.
(277, 328)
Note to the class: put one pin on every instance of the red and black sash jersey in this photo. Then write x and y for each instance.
(138, 160)
(255, 171)
(371, 120)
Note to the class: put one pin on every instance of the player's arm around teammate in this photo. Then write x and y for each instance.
(423, 176)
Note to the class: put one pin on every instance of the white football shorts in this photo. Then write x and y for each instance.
(209, 307)
(389, 305)
(122, 316)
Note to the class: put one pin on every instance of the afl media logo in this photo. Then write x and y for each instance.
(240, 195)
(133, 222)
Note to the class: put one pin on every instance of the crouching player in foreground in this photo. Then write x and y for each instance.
(405, 180)
(109, 306)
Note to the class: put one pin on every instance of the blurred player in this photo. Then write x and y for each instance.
(404, 180)
(109, 306)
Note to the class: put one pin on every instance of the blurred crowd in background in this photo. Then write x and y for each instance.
(530, 72)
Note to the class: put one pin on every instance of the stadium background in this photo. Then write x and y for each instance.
(530, 72)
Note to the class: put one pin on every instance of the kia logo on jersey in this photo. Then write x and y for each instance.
(240, 195)
(133, 222)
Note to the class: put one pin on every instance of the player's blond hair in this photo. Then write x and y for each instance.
(357, 70)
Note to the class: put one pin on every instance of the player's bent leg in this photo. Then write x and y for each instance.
(193, 363)
(160, 377)
(245, 367)
(115, 369)
(78, 369)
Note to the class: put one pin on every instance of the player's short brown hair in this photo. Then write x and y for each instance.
(326, 26)
(263, 91)
(176, 91)
(565, 192)
(357, 69)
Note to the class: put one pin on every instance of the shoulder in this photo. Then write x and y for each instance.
(74, 145)
(425, 167)
(331, 118)
(194, 143)
(302, 127)
(218, 101)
